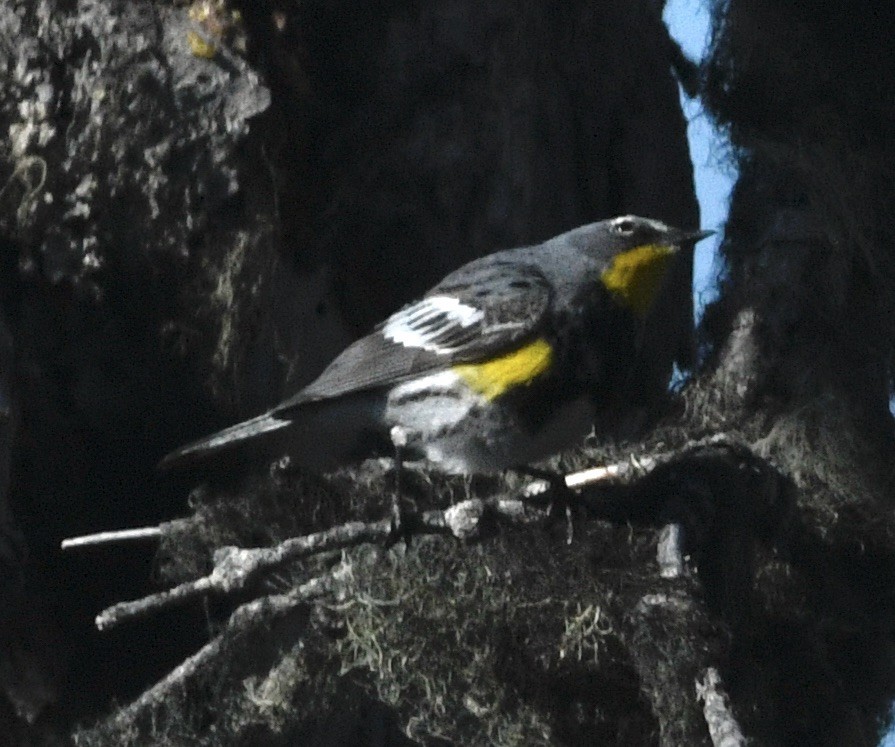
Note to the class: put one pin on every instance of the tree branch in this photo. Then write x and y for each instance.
(242, 621)
(237, 568)
(118, 535)
(723, 727)
(669, 551)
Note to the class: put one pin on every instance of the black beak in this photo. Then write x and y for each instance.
(690, 237)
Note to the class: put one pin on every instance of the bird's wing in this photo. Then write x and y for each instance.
(484, 308)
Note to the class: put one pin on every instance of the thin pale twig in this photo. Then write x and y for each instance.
(118, 535)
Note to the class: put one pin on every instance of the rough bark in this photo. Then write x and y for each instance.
(803, 341)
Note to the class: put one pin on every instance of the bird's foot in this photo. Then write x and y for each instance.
(562, 499)
(401, 525)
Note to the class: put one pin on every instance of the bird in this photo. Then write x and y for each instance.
(505, 362)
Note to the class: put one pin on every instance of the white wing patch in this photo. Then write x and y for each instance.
(439, 324)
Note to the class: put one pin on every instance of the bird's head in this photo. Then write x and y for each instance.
(637, 253)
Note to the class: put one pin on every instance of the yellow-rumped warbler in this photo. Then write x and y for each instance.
(505, 362)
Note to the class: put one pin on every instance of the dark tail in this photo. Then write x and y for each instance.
(198, 451)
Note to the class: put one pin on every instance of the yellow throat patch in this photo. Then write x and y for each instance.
(497, 376)
(635, 276)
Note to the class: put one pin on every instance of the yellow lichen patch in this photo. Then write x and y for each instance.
(218, 25)
(200, 47)
(497, 376)
(635, 276)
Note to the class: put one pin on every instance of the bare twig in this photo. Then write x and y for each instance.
(638, 465)
(236, 568)
(119, 535)
(619, 471)
(583, 478)
(669, 552)
(723, 727)
(242, 621)
(574, 480)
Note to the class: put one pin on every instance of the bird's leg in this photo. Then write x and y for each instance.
(561, 495)
(399, 525)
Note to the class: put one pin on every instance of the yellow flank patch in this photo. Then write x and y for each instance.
(635, 276)
(497, 376)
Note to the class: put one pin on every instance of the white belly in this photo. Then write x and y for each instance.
(463, 433)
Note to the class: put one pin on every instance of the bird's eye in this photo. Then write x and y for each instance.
(625, 227)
